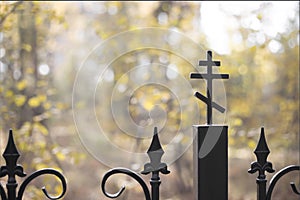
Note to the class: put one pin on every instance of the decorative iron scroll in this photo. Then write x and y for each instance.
(128, 172)
(280, 174)
(12, 169)
(262, 165)
(155, 153)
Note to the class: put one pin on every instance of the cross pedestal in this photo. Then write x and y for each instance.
(211, 162)
(210, 143)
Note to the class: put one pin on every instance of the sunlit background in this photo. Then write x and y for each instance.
(43, 45)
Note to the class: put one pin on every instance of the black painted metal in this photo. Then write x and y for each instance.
(262, 165)
(294, 186)
(128, 172)
(211, 169)
(155, 152)
(280, 174)
(155, 166)
(209, 76)
(12, 169)
(211, 162)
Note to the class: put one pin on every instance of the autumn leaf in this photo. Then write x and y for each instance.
(34, 102)
(21, 85)
(41, 128)
(20, 100)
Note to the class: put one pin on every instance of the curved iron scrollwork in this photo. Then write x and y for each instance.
(280, 174)
(40, 173)
(11, 169)
(155, 166)
(294, 187)
(262, 165)
(128, 172)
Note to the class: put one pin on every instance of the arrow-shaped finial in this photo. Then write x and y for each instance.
(261, 151)
(155, 153)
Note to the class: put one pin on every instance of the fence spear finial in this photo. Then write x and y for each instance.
(155, 153)
(11, 156)
(261, 151)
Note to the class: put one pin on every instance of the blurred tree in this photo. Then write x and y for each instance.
(263, 88)
(27, 94)
(265, 85)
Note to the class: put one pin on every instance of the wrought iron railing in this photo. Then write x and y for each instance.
(262, 165)
(155, 166)
(12, 169)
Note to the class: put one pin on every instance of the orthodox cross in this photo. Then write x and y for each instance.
(209, 76)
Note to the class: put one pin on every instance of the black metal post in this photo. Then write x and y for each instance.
(155, 152)
(155, 183)
(11, 190)
(211, 162)
(261, 188)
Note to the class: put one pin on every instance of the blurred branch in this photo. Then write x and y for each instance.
(10, 12)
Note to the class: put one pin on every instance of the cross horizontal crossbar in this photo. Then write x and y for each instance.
(205, 100)
(209, 76)
(209, 63)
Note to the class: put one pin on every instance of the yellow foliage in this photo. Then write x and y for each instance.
(9, 93)
(58, 189)
(41, 144)
(27, 47)
(47, 105)
(148, 105)
(77, 157)
(25, 129)
(42, 98)
(41, 83)
(60, 106)
(251, 144)
(23, 146)
(231, 142)
(123, 80)
(34, 102)
(29, 70)
(41, 128)
(41, 166)
(21, 85)
(237, 122)
(20, 100)
(60, 156)
(39, 20)
(51, 91)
